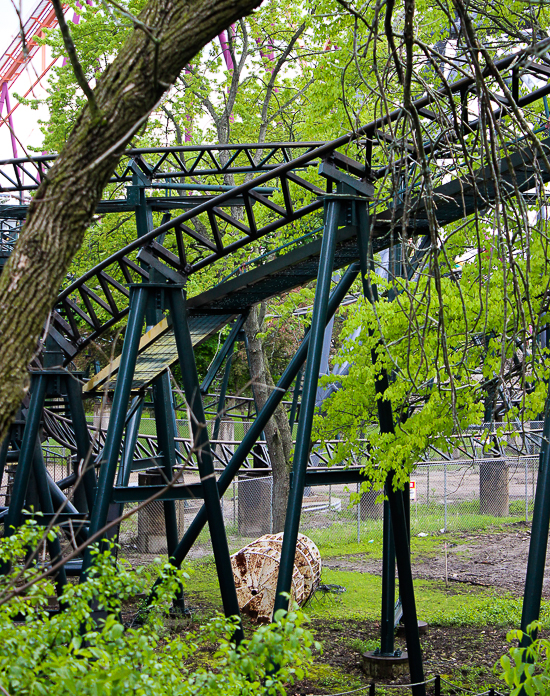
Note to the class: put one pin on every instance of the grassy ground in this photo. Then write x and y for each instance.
(466, 636)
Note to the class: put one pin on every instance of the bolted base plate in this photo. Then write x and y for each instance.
(380, 667)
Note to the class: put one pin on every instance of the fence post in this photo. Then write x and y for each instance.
(437, 686)
(271, 509)
(526, 490)
(371, 689)
(234, 507)
(428, 487)
(358, 517)
(445, 491)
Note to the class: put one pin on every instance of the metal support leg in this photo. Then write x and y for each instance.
(223, 392)
(538, 543)
(164, 419)
(295, 397)
(118, 413)
(129, 447)
(388, 585)
(83, 444)
(311, 378)
(26, 453)
(178, 311)
(275, 398)
(395, 498)
(165, 436)
(46, 505)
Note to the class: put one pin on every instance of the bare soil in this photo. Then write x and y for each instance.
(491, 560)
(455, 653)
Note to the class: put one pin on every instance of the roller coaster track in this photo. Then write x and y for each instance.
(244, 214)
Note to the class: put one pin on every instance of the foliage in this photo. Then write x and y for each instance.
(526, 669)
(449, 340)
(69, 653)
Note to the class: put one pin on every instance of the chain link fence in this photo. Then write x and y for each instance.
(454, 494)
(445, 496)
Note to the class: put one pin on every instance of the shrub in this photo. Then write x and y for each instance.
(526, 668)
(68, 653)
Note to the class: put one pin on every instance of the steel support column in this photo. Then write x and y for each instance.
(26, 453)
(223, 392)
(162, 400)
(201, 443)
(305, 421)
(295, 397)
(538, 543)
(83, 443)
(115, 431)
(387, 624)
(129, 446)
(395, 498)
(46, 505)
(248, 441)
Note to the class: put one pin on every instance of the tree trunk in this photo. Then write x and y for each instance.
(277, 431)
(66, 200)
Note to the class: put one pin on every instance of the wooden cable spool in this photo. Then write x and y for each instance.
(256, 569)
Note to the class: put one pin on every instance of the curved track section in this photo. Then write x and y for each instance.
(216, 226)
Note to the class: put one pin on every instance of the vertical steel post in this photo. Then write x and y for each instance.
(164, 419)
(178, 311)
(165, 436)
(387, 627)
(295, 398)
(82, 437)
(248, 441)
(305, 421)
(538, 542)
(46, 505)
(129, 447)
(395, 498)
(223, 391)
(26, 453)
(115, 431)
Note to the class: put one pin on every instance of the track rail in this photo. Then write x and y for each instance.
(217, 227)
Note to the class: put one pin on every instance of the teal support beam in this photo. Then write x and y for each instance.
(305, 421)
(538, 542)
(225, 351)
(275, 398)
(83, 443)
(162, 400)
(46, 506)
(387, 624)
(115, 431)
(223, 392)
(133, 419)
(395, 498)
(26, 453)
(295, 397)
(201, 443)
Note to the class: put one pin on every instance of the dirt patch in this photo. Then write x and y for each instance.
(465, 655)
(491, 560)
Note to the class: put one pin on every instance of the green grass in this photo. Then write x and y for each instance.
(474, 606)
(340, 538)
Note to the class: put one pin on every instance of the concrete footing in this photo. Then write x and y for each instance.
(422, 628)
(381, 667)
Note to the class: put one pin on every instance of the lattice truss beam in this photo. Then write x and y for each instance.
(281, 187)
